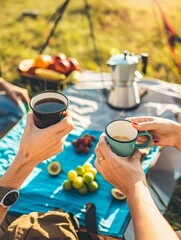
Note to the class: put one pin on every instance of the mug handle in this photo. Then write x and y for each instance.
(146, 144)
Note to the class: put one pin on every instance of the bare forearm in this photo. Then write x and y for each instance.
(1, 84)
(4, 85)
(178, 137)
(148, 222)
(15, 176)
(178, 234)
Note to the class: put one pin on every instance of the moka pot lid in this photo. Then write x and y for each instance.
(122, 59)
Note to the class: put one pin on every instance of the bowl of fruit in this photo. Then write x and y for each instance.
(57, 68)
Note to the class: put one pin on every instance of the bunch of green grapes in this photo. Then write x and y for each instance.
(83, 178)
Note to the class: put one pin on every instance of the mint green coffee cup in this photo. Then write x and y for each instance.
(122, 137)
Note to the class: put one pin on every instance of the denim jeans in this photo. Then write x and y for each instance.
(10, 113)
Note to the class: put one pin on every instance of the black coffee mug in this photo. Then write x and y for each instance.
(49, 107)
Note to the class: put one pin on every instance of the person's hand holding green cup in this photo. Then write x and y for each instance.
(122, 137)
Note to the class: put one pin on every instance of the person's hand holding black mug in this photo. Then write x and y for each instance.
(49, 107)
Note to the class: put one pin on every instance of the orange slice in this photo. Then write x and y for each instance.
(25, 65)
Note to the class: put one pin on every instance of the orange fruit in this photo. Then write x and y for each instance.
(43, 61)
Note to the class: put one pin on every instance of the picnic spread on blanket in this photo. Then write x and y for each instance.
(91, 113)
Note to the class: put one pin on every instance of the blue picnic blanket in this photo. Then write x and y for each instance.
(41, 192)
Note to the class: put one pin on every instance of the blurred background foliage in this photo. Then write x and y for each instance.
(118, 25)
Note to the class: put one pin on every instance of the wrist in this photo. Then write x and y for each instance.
(178, 136)
(2, 82)
(139, 196)
(18, 171)
(4, 85)
(137, 190)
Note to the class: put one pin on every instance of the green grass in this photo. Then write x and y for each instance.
(118, 25)
(132, 25)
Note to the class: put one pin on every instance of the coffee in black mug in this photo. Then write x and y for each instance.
(49, 107)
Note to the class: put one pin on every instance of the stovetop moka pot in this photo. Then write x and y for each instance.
(124, 91)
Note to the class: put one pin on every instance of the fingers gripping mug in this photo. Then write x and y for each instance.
(122, 137)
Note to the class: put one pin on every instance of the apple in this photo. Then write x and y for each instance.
(31, 70)
(58, 57)
(74, 65)
(63, 66)
(51, 66)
